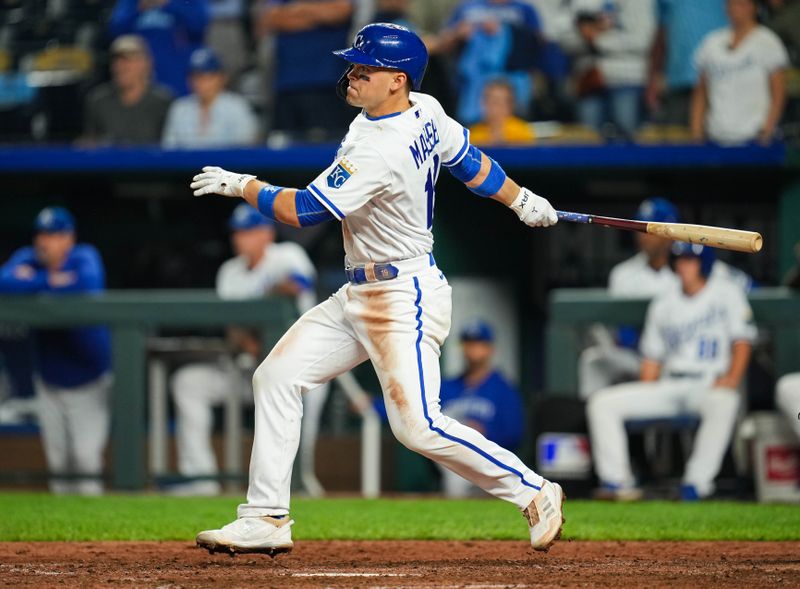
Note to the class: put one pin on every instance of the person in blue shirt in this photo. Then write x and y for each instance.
(482, 399)
(73, 366)
(496, 37)
(172, 29)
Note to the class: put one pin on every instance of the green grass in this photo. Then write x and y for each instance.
(27, 516)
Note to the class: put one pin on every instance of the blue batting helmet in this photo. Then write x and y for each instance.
(390, 46)
(54, 220)
(658, 210)
(246, 217)
(706, 255)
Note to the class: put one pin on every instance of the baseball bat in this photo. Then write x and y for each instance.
(721, 237)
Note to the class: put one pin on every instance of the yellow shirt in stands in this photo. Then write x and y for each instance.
(515, 131)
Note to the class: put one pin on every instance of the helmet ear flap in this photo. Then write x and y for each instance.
(343, 83)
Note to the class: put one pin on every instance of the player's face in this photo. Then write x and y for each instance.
(251, 243)
(370, 86)
(688, 270)
(52, 248)
(653, 245)
(477, 353)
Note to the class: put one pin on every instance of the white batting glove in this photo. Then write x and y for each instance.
(214, 180)
(533, 210)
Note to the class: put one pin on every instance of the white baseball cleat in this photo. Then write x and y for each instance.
(263, 535)
(545, 516)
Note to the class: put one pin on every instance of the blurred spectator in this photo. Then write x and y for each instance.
(696, 347)
(73, 370)
(499, 125)
(671, 77)
(495, 37)
(741, 91)
(210, 116)
(610, 42)
(172, 29)
(482, 399)
(429, 18)
(393, 11)
(783, 17)
(129, 109)
(306, 71)
(226, 35)
(260, 268)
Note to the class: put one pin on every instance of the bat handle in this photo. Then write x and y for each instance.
(573, 217)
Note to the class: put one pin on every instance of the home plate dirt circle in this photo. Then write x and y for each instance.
(404, 564)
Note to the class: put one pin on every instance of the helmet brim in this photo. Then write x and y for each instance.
(353, 55)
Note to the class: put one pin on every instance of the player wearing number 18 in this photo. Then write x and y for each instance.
(395, 308)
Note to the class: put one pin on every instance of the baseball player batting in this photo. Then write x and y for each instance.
(395, 308)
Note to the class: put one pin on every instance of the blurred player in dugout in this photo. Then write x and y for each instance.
(259, 268)
(696, 348)
(482, 399)
(73, 366)
(613, 357)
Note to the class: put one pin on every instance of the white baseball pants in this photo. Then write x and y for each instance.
(607, 411)
(399, 325)
(787, 399)
(75, 426)
(197, 389)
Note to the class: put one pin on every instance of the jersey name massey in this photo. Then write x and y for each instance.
(423, 147)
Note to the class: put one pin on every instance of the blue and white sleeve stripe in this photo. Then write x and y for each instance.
(326, 202)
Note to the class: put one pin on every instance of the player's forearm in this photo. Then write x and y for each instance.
(283, 206)
(509, 190)
(740, 359)
(649, 371)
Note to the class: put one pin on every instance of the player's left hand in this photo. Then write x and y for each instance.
(534, 210)
(214, 180)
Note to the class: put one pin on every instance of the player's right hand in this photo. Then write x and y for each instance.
(534, 210)
(214, 180)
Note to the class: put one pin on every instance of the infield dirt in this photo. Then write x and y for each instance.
(397, 564)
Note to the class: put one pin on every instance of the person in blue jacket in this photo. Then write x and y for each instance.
(172, 29)
(482, 399)
(73, 366)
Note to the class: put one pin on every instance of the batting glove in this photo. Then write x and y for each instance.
(214, 180)
(533, 210)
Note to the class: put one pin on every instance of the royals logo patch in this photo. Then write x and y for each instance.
(341, 173)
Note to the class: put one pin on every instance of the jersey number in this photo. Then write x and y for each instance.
(430, 188)
(708, 348)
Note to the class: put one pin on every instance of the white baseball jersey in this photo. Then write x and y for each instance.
(282, 261)
(738, 81)
(635, 277)
(693, 335)
(381, 185)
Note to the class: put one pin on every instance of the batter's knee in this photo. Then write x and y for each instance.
(272, 374)
(417, 436)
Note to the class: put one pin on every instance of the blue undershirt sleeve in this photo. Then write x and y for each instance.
(309, 210)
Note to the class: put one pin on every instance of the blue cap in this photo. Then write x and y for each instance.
(54, 220)
(658, 210)
(204, 61)
(246, 217)
(477, 331)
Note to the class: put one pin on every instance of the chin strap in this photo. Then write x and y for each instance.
(341, 85)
